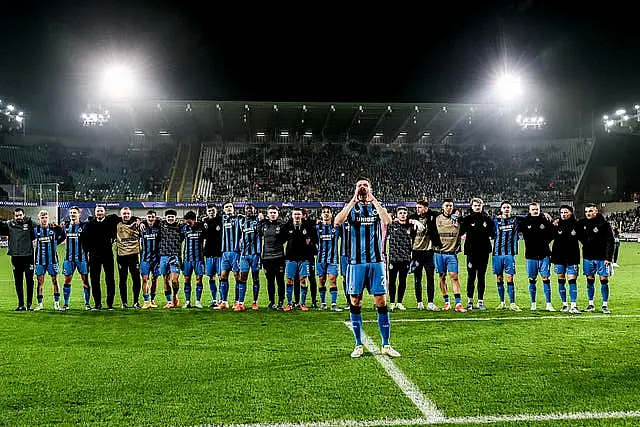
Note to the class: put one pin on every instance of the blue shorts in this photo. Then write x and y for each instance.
(297, 268)
(250, 262)
(370, 276)
(324, 269)
(538, 266)
(169, 264)
(191, 267)
(147, 268)
(68, 267)
(569, 270)
(230, 262)
(591, 268)
(213, 266)
(344, 262)
(503, 264)
(445, 263)
(52, 269)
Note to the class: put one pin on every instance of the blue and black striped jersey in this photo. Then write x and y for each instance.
(328, 236)
(231, 233)
(47, 241)
(74, 251)
(193, 241)
(149, 240)
(366, 235)
(506, 242)
(251, 238)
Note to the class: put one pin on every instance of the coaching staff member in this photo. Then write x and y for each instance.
(99, 236)
(20, 232)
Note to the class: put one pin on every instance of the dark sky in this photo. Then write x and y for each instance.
(581, 56)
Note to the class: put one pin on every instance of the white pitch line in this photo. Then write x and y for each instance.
(426, 406)
(586, 316)
(452, 420)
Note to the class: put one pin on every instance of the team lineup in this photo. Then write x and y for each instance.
(363, 243)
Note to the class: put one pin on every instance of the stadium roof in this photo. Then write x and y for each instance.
(246, 121)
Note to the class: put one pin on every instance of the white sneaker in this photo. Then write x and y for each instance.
(334, 307)
(615, 264)
(550, 307)
(357, 352)
(323, 306)
(574, 310)
(420, 306)
(401, 307)
(39, 307)
(56, 305)
(391, 306)
(187, 304)
(432, 307)
(387, 350)
(565, 308)
(534, 306)
(198, 304)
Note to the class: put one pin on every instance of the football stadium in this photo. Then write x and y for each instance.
(197, 262)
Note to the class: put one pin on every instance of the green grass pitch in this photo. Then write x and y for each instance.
(193, 367)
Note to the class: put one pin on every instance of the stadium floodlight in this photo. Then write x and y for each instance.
(610, 123)
(605, 117)
(11, 108)
(21, 113)
(621, 112)
(19, 119)
(118, 82)
(508, 87)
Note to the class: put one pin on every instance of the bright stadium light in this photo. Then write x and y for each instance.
(508, 87)
(621, 112)
(118, 82)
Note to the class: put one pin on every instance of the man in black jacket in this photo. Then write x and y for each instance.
(20, 232)
(479, 231)
(273, 257)
(538, 232)
(212, 249)
(301, 239)
(99, 236)
(565, 255)
(597, 253)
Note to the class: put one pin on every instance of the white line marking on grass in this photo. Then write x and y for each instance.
(426, 406)
(494, 319)
(452, 420)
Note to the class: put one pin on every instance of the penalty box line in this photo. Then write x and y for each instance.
(577, 416)
(585, 316)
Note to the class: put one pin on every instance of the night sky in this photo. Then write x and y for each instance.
(583, 57)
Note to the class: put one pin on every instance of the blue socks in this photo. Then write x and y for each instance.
(87, 295)
(604, 290)
(384, 324)
(562, 290)
(242, 291)
(546, 284)
(532, 290)
(213, 289)
(198, 291)
(66, 292)
(591, 289)
(501, 291)
(187, 291)
(224, 290)
(356, 325)
(573, 290)
(511, 290)
(334, 295)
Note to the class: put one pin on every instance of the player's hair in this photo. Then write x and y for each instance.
(211, 206)
(74, 208)
(301, 210)
(534, 203)
(326, 208)
(16, 210)
(190, 215)
(569, 208)
(423, 203)
(151, 212)
(272, 207)
(170, 212)
(505, 202)
(43, 212)
(101, 206)
(591, 205)
(476, 200)
(447, 201)
(401, 208)
(125, 208)
(363, 178)
(228, 202)
(249, 204)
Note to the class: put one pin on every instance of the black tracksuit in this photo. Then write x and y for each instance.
(566, 246)
(272, 257)
(98, 244)
(597, 239)
(21, 252)
(479, 231)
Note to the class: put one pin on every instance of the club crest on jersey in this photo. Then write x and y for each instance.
(484, 224)
(304, 231)
(375, 212)
(573, 232)
(473, 224)
(595, 229)
(541, 226)
(218, 228)
(528, 227)
(277, 229)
